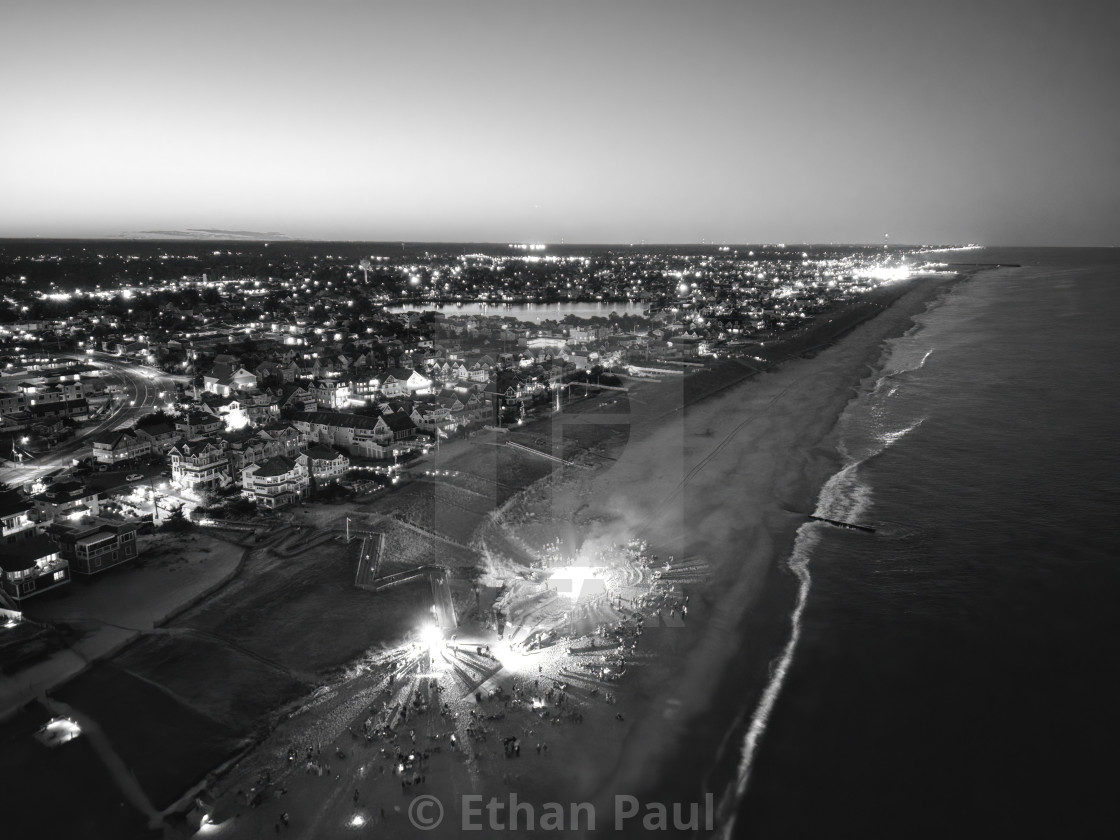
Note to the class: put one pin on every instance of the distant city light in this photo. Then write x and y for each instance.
(888, 273)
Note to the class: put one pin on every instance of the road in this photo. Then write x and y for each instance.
(143, 385)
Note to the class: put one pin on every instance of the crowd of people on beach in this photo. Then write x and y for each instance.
(415, 715)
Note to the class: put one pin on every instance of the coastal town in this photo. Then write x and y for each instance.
(345, 441)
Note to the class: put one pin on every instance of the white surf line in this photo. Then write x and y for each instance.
(770, 696)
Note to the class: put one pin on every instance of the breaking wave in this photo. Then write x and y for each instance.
(867, 429)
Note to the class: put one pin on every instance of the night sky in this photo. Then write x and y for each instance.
(796, 120)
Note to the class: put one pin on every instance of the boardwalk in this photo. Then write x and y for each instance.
(369, 559)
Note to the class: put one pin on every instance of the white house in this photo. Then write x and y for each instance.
(278, 482)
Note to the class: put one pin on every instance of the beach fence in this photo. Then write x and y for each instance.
(398, 578)
(522, 448)
(226, 525)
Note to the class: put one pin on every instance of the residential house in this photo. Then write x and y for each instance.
(232, 411)
(16, 520)
(330, 393)
(12, 401)
(198, 424)
(365, 386)
(298, 398)
(510, 391)
(325, 463)
(286, 436)
(290, 371)
(199, 465)
(32, 566)
(74, 409)
(160, 436)
(120, 447)
(65, 500)
(244, 448)
(277, 482)
(224, 380)
(91, 544)
(404, 382)
(383, 436)
(261, 407)
(268, 370)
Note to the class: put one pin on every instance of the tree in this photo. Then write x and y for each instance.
(155, 419)
(176, 521)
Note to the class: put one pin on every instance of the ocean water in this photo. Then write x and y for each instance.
(957, 673)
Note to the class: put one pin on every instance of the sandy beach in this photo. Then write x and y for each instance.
(720, 487)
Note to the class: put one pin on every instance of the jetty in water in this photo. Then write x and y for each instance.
(840, 524)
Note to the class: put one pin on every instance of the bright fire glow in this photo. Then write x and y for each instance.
(431, 635)
(577, 581)
(357, 821)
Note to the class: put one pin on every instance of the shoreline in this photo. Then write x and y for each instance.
(674, 424)
(762, 590)
(699, 658)
(703, 653)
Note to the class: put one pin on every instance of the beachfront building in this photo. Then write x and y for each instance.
(385, 435)
(448, 411)
(32, 566)
(325, 463)
(199, 465)
(91, 545)
(244, 448)
(276, 483)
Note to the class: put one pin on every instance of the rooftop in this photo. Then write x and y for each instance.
(23, 554)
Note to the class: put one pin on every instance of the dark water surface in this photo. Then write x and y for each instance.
(957, 671)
